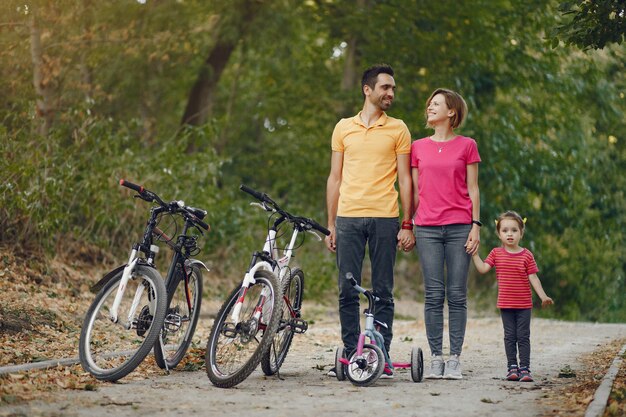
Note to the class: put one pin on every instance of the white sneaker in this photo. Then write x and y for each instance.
(436, 368)
(453, 368)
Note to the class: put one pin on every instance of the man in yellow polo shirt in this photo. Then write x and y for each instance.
(369, 151)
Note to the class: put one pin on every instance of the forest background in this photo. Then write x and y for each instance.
(192, 98)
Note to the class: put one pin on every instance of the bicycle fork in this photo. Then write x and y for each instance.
(127, 275)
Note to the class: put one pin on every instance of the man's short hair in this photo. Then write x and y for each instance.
(370, 75)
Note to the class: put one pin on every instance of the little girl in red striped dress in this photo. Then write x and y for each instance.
(516, 271)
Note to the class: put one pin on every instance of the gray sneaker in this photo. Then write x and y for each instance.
(436, 368)
(453, 368)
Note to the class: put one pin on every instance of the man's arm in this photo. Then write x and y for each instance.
(406, 239)
(332, 196)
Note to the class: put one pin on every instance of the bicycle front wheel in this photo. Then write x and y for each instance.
(181, 318)
(110, 351)
(235, 348)
(293, 288)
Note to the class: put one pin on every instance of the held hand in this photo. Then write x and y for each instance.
(546, 302)
(473, 241)
(331, 244)
(406, 240)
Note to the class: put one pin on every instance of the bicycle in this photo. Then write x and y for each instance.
(264, 308)
(158, 314)
(367, 362)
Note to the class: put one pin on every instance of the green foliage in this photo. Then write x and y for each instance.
(67, 187)
(591, 24)
(548, 122)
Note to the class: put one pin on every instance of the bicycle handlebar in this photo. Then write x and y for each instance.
(370, 297)
(264, 198)
(149, 196)
(253, 193)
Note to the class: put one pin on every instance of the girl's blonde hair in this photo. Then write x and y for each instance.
(454, 101)
(511, 215)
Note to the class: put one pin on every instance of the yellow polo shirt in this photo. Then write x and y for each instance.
(370, 165)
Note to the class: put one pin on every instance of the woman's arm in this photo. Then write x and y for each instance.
(473, 240)
(415, 196)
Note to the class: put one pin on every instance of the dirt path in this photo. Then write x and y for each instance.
(306, 391)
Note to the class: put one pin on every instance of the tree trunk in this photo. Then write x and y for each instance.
(349, 80)
(202, 95)
(200, 102)
(45, 109)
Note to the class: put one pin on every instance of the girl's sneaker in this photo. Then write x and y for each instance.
(524, 375)
(513, 374)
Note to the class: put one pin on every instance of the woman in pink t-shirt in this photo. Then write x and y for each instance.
(444, 168)
(516, 271)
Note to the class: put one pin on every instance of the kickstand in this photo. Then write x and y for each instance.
(276, 361)
(167, 369)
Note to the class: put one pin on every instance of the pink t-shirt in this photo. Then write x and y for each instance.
(442, 182)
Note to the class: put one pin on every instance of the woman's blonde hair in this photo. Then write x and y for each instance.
(454, 101)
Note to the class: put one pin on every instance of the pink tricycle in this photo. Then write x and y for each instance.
(366, 364)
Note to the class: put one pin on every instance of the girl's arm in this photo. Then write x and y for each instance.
(536, 283)
(481, 266)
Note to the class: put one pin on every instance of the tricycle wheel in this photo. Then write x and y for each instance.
(365, 369)
(417, 365)
(340, 368)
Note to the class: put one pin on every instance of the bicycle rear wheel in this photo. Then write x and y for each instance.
(293, 288)
(235, 349)
(110, 351)
(181, 318)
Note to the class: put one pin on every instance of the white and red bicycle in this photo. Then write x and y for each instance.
(259, 319)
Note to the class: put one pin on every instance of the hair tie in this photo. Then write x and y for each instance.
(524, 220)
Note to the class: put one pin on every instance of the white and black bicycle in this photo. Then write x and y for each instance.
(135, 309)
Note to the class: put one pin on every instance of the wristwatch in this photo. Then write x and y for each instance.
(477, 223)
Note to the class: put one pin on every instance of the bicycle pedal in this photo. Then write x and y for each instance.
(230, 330)
(298, 325)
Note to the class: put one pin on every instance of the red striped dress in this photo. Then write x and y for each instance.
(512, 271)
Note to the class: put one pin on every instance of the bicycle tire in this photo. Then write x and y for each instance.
(365, 374)
(234, 351)
(293, 289)
(180, 321)
(110, 351)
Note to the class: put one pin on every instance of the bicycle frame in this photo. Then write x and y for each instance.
(268, 259)
(179, 259)
(370, 332)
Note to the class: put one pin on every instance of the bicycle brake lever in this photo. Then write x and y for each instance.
(313, 232)
(262, 205)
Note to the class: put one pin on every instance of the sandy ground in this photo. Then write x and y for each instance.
(305, 390)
